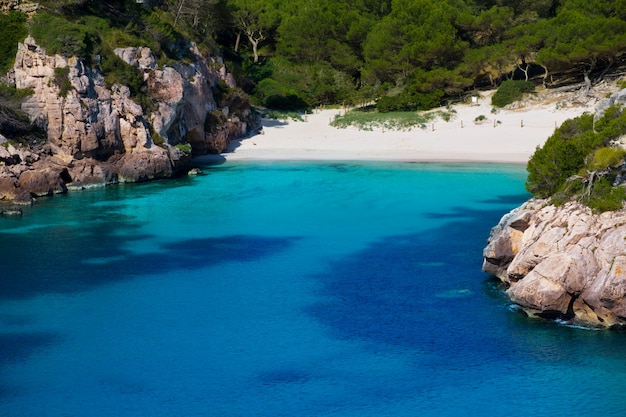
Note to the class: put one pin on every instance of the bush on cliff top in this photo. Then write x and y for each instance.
(580, 162)
(14, 30)
(60, 36)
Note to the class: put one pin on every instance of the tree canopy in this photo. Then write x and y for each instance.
(414, 52)
(412, 48)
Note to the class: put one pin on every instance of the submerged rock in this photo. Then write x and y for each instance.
(562, 262)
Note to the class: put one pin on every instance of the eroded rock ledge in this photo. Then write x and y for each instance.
(97, 134)
(562, 262)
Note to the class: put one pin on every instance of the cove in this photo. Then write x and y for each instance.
(283, 289)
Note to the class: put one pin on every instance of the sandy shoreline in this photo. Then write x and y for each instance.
(508, 136)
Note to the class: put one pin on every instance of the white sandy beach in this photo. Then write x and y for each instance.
(509, 136)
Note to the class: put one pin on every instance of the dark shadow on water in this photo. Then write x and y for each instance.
(91, 250)
(66, 259)
(413, 291)
(513, 199)
(16, 347)
(425, 293)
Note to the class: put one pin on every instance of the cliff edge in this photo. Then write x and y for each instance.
(97, 134)
(562, 262)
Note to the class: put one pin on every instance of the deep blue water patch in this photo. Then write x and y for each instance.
(420, 291)
(59, 257)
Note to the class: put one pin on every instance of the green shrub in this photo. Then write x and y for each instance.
(400, 102)
(12, 94)
(612, 124)
(116, 71)
(577, 162)
(14, 123)
(60, 36)
(268, 87)
(605, 197)
(14, 30)
(157, 139)
(511, 91)
(185, 147)
(214, 120)
(410, 101)
(562, 155)
(62, 80)
(236, 100)
(219, 90)
(274, 95)
(286, 102)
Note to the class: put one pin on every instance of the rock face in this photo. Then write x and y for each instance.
(98, 135)
(562, 262)
(21, 5)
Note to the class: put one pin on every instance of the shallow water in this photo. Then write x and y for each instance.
(284, 289)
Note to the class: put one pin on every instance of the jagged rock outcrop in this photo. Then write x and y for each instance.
(617, 98)
(562, 262)
(20, 5)
(99, 135)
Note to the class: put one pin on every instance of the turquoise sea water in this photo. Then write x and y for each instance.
(285, 289)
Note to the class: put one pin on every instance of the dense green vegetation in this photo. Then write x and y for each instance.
(404, 54)
(511, 91)
(417, 54)
(14, 30)
(580, 161)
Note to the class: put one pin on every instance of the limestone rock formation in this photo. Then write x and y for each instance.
(97, 134)
(562, 262)
(23, 6)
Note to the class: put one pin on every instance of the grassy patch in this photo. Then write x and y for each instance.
(369, 120)
(283, 115)
(184, 147)
(606, 157)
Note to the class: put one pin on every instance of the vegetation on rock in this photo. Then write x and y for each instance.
(14, 124)
(582, 161)
(13, 31)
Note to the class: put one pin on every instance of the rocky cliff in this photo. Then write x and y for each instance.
(562, 262)
(97, 134)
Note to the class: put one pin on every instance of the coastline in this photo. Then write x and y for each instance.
(507, 136)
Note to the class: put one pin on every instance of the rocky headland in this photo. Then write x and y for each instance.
(564, 262)
(97, 134)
